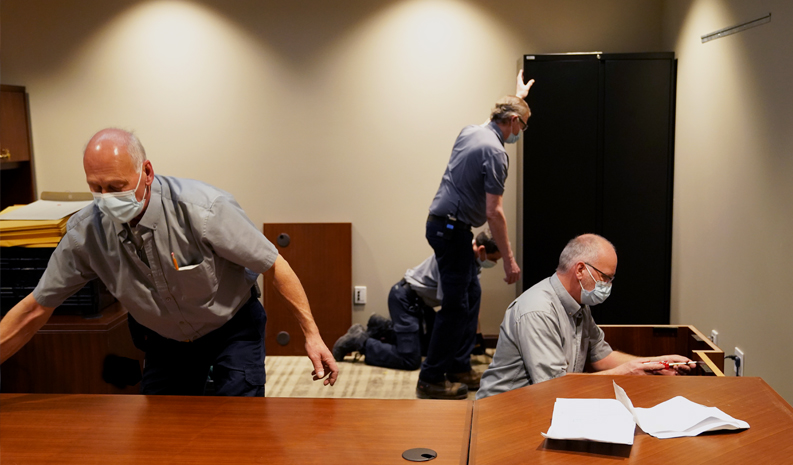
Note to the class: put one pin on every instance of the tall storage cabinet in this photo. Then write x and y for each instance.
(598, 156)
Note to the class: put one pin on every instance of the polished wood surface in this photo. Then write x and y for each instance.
(103, 429)
(67, 355)
(321, 256)
(506, 427)
(648, 340)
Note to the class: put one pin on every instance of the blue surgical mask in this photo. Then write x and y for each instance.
(120, 206)
(597, 295)
(513, 138)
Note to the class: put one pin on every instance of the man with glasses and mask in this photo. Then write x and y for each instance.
(401, 341)
(549, 331)
(183, 258)
(469, 195)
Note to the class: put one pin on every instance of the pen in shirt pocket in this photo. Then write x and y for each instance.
(175, 265)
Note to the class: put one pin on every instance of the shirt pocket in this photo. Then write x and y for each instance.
(197, 283)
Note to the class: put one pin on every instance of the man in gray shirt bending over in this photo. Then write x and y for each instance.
(182, 258)
(549, 331)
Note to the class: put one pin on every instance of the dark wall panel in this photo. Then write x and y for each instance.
(598, 158)
(557, 168)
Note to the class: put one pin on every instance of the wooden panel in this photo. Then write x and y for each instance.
(17, 185)
(14, 123)
(321, 256)
(67, 355)
(507, 427)
(79, 429)
(649, 340)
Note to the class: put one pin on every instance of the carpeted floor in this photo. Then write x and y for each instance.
(290, 376)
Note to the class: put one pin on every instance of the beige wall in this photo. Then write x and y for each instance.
(732, 239)
(307, 111)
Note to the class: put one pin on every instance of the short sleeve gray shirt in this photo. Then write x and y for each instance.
(218, 250)
(478, 166)
(545, 334)
(425, 279)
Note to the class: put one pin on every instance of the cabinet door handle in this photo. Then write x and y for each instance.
(5, 154)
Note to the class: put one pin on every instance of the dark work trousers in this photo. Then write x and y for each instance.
(413, 321)
(235, 351)
(454, 332)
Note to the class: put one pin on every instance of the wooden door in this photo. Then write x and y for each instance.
(321, 256)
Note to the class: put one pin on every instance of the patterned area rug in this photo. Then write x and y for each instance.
(290, 376)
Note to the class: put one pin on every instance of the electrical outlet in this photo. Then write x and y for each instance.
(359, 296)
(740, 368)
(714, 336)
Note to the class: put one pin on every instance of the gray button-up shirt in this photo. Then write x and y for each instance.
(478, 166)
(545, 334)
(218, 250)
(425, 279)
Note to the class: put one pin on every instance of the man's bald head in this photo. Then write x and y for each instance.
(587, 248)
(118, 143)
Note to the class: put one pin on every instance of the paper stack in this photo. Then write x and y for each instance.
(614, 420)
(40, 224)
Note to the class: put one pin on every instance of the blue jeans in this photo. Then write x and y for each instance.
(412, 319)
(454, 333)
(235, 351)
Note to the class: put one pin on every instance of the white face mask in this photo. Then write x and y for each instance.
(485, 263)
(597, 295)
(121, 206)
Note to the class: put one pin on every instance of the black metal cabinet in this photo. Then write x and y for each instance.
(598, 157)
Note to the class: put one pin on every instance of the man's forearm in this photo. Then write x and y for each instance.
(20, 325)
(288, 285)
(498, 228)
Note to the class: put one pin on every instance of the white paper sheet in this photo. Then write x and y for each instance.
(614, 420)
(45, 210)
(602, 420)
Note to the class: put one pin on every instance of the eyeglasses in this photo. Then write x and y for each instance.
(524, 126)
(608, 278)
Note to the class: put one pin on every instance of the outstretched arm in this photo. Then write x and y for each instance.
(20, 324)
(288, 285)
(522, 90)
(619, 363)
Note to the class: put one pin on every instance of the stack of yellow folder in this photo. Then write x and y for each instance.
(31, 233)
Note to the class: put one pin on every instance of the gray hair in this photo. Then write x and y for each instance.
(507, 107)
(136, 151)
(583, 248)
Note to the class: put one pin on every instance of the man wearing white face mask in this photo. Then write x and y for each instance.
(470, 194)
(549, 331)
(401, 341)
(183, 258)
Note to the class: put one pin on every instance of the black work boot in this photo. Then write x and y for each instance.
(442, 390)
(469, 378)
(353, 340)
(380, 328)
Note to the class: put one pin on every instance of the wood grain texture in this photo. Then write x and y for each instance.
(649, 340)
(506, 427)
(101, 429)
(67, 354)
(321, 256)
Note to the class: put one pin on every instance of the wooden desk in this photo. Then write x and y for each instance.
(506, 427)
(66, 355)
(100, 429)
